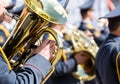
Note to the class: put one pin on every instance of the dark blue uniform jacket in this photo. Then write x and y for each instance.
(63, 73)
(106, 60)
(31, 73)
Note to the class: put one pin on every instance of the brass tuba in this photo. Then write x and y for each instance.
(83, 43)
(32, 24)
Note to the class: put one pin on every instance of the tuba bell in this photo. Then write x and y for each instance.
(84, 44)
(32, 24)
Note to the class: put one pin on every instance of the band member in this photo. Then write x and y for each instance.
(87, 13)
(106, 69)
(33, 71)
(65, 68)
(67, 64)
(36, 67)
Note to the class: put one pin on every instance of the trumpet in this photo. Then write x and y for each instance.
(32, 24)
(84, 44)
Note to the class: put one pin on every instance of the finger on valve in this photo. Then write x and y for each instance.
(45, 49)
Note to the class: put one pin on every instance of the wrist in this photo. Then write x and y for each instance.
(44, 55)
(73, 64)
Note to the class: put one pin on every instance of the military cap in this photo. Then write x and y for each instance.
(88, 4)
(64, 3)
(113, 14)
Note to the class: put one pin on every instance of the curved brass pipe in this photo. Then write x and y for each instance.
(83, 43)
(32, 24)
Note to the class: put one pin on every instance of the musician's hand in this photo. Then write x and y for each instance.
(81, 58)
(46, 49)
(1, 13)
(3, 5)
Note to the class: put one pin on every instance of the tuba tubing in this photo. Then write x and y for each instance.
(31, 25)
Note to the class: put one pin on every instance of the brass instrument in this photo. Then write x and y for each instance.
(83, 43)
(32, 24)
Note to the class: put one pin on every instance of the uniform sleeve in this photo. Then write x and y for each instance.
(116, 58)
(114, 54)
(104, 34)
(31, 73)
(98, 79)
(65, 67)
(18, 6)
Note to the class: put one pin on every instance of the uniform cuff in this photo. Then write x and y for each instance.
(72, 64)
(39, 63)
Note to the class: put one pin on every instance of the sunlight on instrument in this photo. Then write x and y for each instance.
(33, 22)
(59, 45)
(83, 43)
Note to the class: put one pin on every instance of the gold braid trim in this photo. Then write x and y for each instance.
(117, 67)
(5, 58)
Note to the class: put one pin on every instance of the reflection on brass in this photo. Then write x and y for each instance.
(33, 22)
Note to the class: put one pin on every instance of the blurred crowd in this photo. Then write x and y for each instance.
(83, 15)
(100, 8)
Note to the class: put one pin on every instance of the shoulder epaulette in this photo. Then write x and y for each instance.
(89, 26)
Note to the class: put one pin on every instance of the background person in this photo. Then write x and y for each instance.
(106, 60)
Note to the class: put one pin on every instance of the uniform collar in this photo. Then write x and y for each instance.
(86, 21)
(113, 36)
